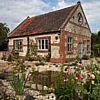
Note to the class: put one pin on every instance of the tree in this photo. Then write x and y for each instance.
(3, 36)
(96, 43)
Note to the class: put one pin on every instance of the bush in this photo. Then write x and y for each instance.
(14, 55)
(20, 76)
(30, 59)
(80, 84)
(18, 84)
(47, 57)
(10, 58)
(85, 57)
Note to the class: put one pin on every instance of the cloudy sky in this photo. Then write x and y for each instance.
(12, 12)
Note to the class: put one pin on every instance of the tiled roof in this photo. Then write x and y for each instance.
(48, 22)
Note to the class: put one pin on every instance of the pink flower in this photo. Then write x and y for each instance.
(79, 77)
(92, 76)
(83, 62)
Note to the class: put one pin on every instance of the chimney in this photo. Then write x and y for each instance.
(79, 2)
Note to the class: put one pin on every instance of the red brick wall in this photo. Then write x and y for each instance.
(63, 48)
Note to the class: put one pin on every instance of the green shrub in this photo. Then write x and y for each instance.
(47, 57)
(85, 57)
(18, 84)
(19, 77)
(10, 58)
(14, 55)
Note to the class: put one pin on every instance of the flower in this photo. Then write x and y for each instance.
(92, 76)
(45, 88)
(79, 77)
(92, 82)
(65, 80)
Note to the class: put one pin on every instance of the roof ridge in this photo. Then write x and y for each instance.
(54, 11)
(47, 22)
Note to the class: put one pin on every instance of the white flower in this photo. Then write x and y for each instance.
(92, 76)
(45, 88)
(92, 82)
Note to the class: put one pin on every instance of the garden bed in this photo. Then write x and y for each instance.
(72, 81)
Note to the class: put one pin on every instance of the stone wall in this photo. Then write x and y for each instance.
(79, 28)
(53, 44)
(24, 44)
(1, 55)
(4, 54)
(53, 41)
(64, 54)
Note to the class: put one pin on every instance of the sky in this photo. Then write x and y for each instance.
(13, 12)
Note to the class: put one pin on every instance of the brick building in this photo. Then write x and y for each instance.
(64, 34)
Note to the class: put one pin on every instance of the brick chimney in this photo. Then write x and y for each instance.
(79, 2)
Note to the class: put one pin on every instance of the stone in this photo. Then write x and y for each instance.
(50, 96)
(29, 97)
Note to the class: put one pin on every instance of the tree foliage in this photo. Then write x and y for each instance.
(96, 43)
(3, 36)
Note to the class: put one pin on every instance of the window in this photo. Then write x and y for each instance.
(80, 19)
(56, 37)
(43, 44)
(88, 45)
(69, 44)
(18, 45)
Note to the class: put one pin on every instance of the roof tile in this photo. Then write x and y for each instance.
(48, 22)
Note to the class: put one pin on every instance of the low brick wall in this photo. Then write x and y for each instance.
(4, 54)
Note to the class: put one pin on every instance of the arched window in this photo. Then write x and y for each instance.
(80, 18)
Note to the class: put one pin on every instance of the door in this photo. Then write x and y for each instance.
(80, 50)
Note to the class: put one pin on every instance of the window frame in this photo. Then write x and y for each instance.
(20, 45)
(88, 45)
(42, 44)
(80, 18)
(69, 44)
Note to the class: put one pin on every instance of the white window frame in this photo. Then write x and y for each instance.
(70, 44)
(42, 44)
